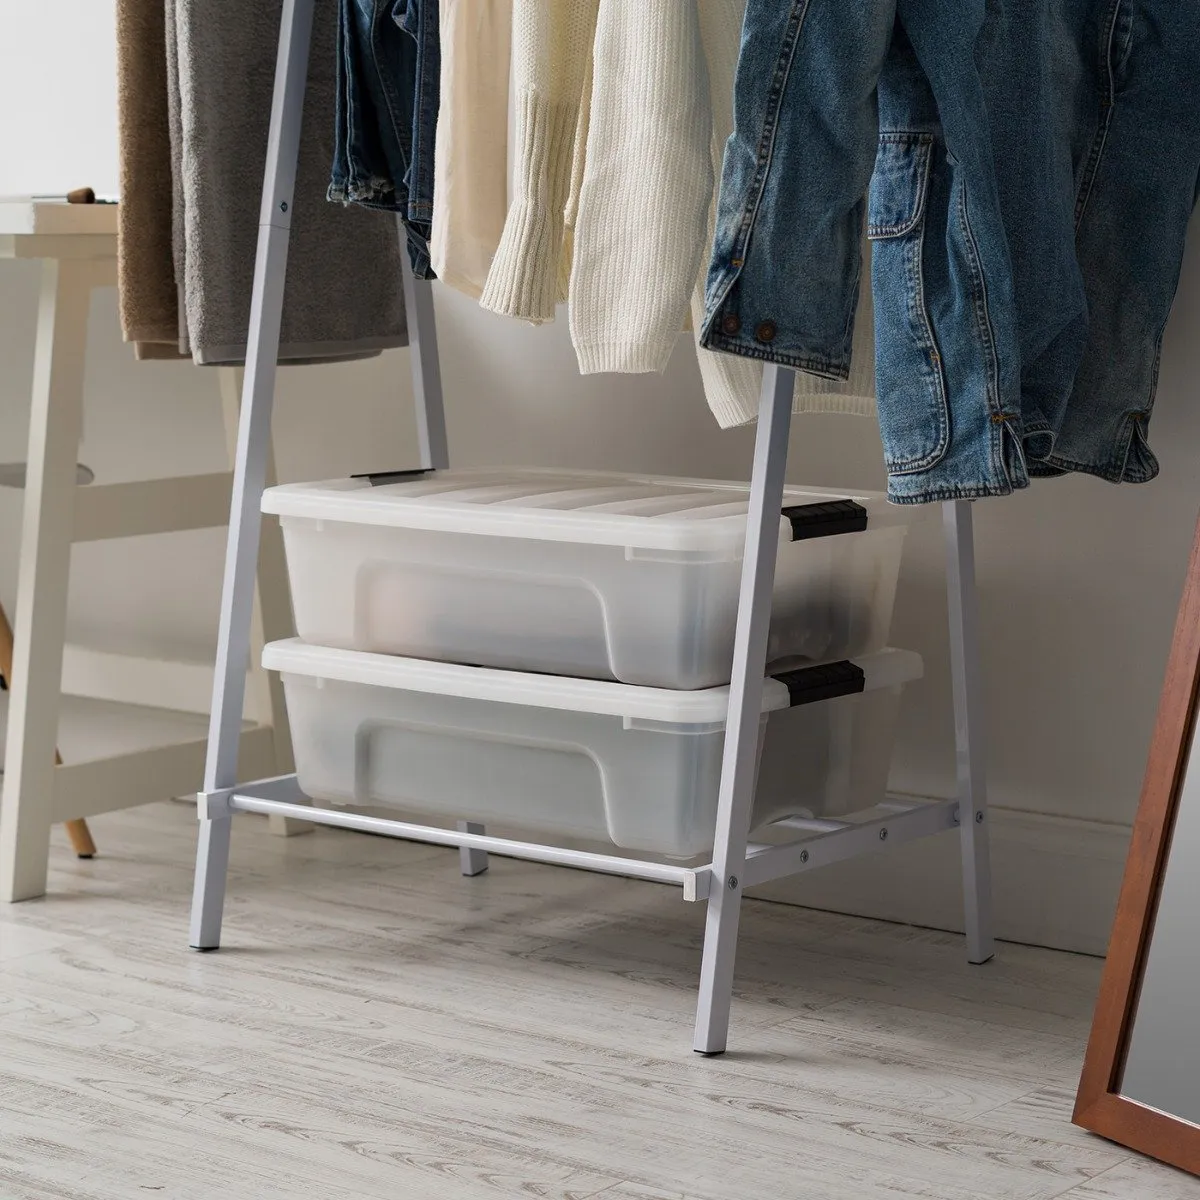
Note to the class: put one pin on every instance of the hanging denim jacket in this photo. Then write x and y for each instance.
(832, 95)
(389, 74)
(1134, 143)
(949, 327)
(991, 121)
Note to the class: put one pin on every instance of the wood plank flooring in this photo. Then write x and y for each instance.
(376, 1026)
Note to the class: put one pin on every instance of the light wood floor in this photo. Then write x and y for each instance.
(377, 1026)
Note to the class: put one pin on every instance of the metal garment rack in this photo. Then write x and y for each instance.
(735, 864)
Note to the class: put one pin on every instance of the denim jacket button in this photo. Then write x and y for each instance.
(731, 325)
(765, 332)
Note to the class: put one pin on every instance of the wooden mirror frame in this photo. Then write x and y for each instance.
(1099, 1106)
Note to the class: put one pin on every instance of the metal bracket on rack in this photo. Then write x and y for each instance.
(221, 803)
(214, 806)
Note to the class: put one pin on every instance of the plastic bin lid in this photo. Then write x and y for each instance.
(636, 511)
(885, 668)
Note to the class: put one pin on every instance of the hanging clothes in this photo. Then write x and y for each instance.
(344, 296)
(552, 47)
(647, 205)
(629, 248)
(647, 182)
(388, 71)
(784, 279)
(566, 260)
(145, 269)
(1028, 203)
(178, 221)
(733, 385)
(1134, 144)
(470, 178)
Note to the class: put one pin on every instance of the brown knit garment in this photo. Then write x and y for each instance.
(145, 267)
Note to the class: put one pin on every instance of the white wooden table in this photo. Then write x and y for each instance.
(77, 247)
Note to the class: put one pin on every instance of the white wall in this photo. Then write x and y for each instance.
(1079, 579)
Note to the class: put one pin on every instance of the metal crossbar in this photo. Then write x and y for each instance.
(765, 863)
(828, 841)
(735, 865)
(693, 880)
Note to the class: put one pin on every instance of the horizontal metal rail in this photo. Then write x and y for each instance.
(830, 841)
(693, 880)
(765, 863)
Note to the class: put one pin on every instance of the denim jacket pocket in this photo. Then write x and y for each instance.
(913, 411)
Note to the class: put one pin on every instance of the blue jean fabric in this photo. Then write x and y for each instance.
(1004, 346)
(1135, 148)
(389, 75)
(948, 332)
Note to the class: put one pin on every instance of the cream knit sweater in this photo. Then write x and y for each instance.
(661, 113)
(647, 186)
(470, 176)
(552, 50)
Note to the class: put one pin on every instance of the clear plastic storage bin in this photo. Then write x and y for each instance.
(579, 758)
(623, 577)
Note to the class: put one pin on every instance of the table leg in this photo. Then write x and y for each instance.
(49, 504)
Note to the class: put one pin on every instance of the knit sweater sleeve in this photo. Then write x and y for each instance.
(647, 184)
(572, 211)
(552, 45)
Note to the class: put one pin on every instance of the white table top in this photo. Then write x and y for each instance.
(25, 217)
(42, 229)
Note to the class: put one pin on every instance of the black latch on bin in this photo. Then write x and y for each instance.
(825, 519)
(808, 685)
(379, 478)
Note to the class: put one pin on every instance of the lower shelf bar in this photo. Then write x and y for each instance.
(693, 880)
(922, 820)
(833, 842)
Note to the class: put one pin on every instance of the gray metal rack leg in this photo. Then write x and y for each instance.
(740, 762)
(966, 671)
(734, 865)
(249, 470)
(745, 704)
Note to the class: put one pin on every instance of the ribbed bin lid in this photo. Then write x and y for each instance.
(636, 511)
(885, 668)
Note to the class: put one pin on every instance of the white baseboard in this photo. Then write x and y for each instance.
(1055, 881)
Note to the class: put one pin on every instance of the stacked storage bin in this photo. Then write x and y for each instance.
(552, 649)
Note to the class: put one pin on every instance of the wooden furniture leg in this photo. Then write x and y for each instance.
(55, 425)
(78, 832)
